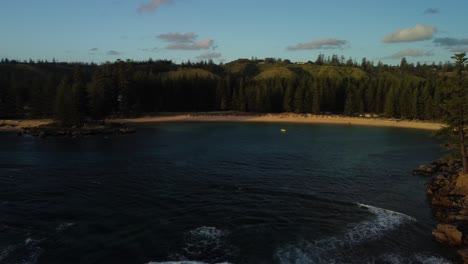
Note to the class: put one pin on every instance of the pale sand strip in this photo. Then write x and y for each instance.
(283, 118)
(14, 125)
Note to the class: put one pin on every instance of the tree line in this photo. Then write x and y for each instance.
(75, 92)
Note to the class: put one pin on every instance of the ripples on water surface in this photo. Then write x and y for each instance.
(219, 193)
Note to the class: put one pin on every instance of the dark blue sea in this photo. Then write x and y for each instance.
(219, 193)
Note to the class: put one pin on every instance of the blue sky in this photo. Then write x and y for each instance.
(222, 30)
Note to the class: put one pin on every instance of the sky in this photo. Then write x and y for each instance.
(97, 31)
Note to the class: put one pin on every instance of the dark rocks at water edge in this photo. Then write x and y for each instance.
(445, 167)
(54, 130)
(448, 234)
(448, 195)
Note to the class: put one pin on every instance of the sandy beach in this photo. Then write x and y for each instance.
(15, 125)
(281, 118)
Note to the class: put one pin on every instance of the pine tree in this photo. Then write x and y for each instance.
(288, 96)
(299, 100)
(390, 101)
(242, 99)
(62, 109)
(123, 86)
(350, 106)
(100, 103)
(221, 95)
(455, 112)
(36, 98)
(316, 98)
(78, 99)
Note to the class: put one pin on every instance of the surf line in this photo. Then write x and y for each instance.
(377, 210)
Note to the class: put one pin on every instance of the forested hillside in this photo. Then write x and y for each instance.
(74, 92)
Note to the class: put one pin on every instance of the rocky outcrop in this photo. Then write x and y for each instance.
(445, 167)
(448, 194)
(448, 234)
(464, 254)
(54, 130)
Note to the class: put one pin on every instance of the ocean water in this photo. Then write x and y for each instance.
(219, 193)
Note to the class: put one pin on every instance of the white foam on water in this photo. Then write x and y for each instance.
(298, 257)
(34, 256)
(184, 262)
(64, 226)
(6, 252)
(26, 252)
(414, 259)
(431, 259)
(375, 228)
(326, 250)
(204, 240)
(204, 244)
(34, 250)
(29, 241)
(208, 232)
(380, 211)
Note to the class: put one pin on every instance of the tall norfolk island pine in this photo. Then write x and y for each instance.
(456, 112)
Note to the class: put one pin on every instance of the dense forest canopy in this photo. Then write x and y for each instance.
(75, 92)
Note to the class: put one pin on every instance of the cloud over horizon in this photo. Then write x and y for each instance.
(153, 5)
(203, 44)
(178, 37)
(186, 41)
(432, 11)
(409, 53)
(113, 53)
(454, 44)
(209, 56)
(459, 49)
(326, 43)
(450, 42)
(155, 49)
(417, 33)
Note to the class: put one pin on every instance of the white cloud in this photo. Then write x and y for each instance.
(417, 33)
(432, 11)
(459, 49)
(326, 43)
(204, 44)
(209, 56)
(186, 41)
(409, 53)
(113, 53)
(153, 5)
(155, 49)
(454, 44)
(178, 37)
(450, 41)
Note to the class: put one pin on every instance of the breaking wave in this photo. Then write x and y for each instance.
(26, 252)
(335, 249)
(375, 228)
(384, 259)
(203, 245)
(184, 262)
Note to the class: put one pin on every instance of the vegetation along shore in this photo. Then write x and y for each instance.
(74, 99)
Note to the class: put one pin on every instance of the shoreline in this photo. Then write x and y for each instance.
(280, 118)
(18, 125)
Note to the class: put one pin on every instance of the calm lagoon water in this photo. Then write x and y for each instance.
(219, 192)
